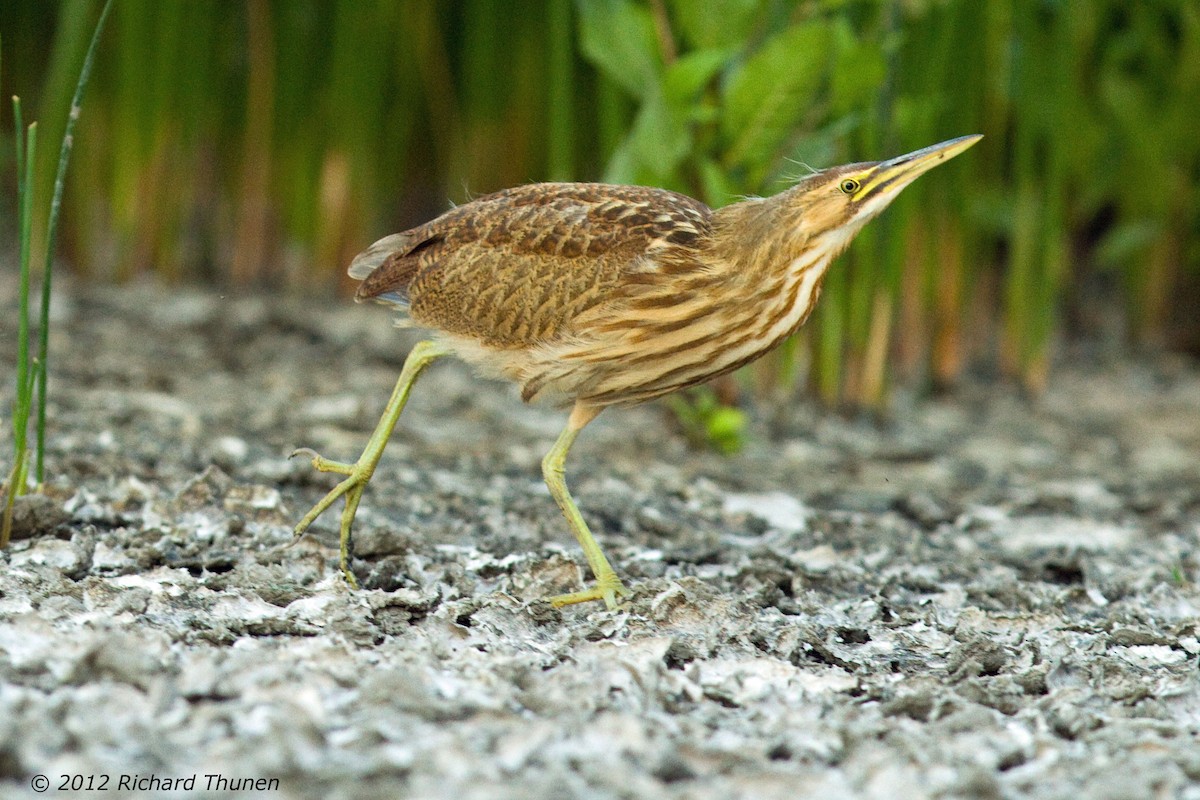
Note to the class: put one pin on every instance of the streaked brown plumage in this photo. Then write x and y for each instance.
(601, 295)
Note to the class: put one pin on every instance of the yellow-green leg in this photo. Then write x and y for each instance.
(608, 586)
(360, 472)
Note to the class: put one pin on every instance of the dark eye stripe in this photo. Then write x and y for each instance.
(878, 187)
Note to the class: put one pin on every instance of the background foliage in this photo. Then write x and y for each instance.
(266, 142)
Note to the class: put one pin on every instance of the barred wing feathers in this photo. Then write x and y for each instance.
(518, 268)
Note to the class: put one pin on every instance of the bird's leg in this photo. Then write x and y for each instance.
(360, 472)
(608, 586)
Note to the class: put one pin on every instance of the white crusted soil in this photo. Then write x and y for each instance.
(984, 597)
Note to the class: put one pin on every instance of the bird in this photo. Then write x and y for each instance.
(591, 295)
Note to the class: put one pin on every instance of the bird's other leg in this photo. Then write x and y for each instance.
(608, 586)
(360, 472)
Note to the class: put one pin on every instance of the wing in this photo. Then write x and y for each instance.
(515, 268)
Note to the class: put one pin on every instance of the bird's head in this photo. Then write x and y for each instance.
(815, 220)
(838, 201)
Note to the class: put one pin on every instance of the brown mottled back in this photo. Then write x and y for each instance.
(514, 268)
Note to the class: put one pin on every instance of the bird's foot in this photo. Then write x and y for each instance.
(357, 477)
(607, 588)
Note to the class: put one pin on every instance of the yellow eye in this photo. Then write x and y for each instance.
(849, 186)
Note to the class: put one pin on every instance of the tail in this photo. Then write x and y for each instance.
(385, 270)
(369, 260)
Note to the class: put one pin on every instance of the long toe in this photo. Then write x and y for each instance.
(346, 487)
(607, 590)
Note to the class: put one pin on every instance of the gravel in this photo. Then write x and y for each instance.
(983, 596)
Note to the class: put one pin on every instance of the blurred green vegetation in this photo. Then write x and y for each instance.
(267, 142)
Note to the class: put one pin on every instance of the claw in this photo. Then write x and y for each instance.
(322, 464)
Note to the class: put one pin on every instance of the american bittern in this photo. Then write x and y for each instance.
(598, 295)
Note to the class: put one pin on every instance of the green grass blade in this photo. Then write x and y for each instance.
(15, 478)
(64, 158)
(28, 157)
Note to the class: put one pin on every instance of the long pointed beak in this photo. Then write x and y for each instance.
(896, 173)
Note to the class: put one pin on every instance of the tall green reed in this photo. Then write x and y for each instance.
(34, 377)
(340, 121)
(26, 153)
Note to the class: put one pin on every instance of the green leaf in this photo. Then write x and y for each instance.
(726, 429)
(719, 190)
(769, 95)
(618, 37)
(660, 138)
(661, 135)
(684, 79)
(705, 421)
(622, 165)
(716, 23)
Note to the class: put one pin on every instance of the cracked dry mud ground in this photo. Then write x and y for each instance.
(984, 597)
